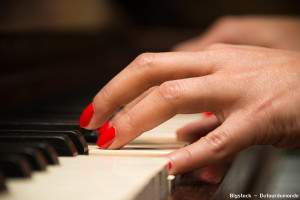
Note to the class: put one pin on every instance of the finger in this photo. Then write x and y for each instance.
(232, 136)
(108, 124)
(170, 98)
(193, 131)
(135, 101)
(146, 71)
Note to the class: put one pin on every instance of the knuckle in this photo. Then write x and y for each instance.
(170, 91)
(145, 60)
(217, 142)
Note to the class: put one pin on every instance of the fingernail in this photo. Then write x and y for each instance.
(207, 113)
(106, 138)
(104, 127)
(86, 115)
(170, 165)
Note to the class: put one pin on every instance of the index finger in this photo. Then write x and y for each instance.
(147, 70)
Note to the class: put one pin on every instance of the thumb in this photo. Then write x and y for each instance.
(216, 146)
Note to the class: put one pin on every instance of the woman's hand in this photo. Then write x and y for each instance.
(273, 32)
(254, 92)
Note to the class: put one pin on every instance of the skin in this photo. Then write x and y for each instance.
(272, 31)
(253, 92)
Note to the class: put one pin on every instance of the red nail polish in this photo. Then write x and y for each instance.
(170, 165)
(104, 127)
(207, 113)
(106, 138)
(86, 115)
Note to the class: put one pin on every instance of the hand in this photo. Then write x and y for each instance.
(254, 92)
(273, 32)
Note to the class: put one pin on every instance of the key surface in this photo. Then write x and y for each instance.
(94, 178)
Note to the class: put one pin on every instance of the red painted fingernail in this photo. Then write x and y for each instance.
(207, 113)
(104, 127)
(170, 165)
(106, 138)
(86, 115)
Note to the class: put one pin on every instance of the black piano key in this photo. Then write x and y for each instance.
(2, 181)
(35, 124)
(15, 165)
(34, 155)
(75, 136)
(61, 142)
(47, 150)
(91, 136)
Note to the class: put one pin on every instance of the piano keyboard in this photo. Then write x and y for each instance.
(138, 171)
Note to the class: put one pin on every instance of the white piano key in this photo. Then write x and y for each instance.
(155, 144)
(128, 153)
(131, 173)
(92, 177)
(167, 130)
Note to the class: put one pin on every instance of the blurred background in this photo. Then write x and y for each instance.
(51, 47)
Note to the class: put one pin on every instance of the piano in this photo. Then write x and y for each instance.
(47, 78)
